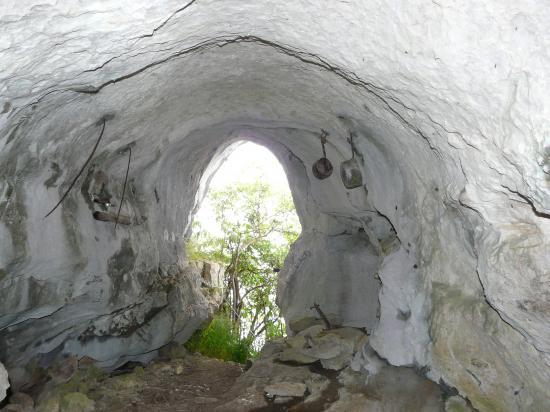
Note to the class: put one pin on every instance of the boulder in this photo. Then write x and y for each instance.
(294, 355)
(327, 347)
(312, 331)
(335, 348)
(286, 389)
(337, 363)
(301, 324)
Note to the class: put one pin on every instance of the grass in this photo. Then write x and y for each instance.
(219, 340)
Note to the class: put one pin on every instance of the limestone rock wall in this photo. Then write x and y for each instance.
(451, 230)
(4, 383)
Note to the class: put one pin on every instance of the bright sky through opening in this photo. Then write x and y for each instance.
(246, 164)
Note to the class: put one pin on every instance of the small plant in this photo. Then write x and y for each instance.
(220, 340)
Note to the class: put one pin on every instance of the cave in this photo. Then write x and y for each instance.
(442, 254)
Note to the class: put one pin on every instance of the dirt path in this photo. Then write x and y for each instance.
(195, 383)
(185, 382)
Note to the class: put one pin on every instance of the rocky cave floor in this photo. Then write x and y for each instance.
(316, 370)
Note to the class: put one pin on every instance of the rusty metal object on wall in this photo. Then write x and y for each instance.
(322, 168)
(350, 170)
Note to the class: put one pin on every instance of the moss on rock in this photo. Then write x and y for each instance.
(76, 402)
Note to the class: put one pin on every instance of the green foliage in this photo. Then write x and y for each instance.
(76, 401)
(256, 228)
(195, 251)
(220, 340)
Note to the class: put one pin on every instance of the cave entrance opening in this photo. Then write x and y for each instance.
(245, 224)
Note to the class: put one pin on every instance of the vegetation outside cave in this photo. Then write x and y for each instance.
(247, 223)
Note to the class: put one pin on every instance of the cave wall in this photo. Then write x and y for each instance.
(442, 255)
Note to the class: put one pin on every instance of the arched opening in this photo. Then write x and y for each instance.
(246, 222)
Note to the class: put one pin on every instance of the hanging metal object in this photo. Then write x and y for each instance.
(350, 170)
(322, 168)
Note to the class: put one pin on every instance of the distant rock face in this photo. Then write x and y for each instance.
(442, 255)
(4, 383)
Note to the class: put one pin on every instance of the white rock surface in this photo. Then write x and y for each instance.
(450, 107)
(4, 382)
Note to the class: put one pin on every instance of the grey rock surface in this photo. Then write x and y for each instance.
(334, 348)
(443, 255)
(268, 374)
(286, 389)
(315, 388)
(390, 389)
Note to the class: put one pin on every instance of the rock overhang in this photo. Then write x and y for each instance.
(454, 159)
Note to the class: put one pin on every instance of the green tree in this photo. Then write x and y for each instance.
(256, 229)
